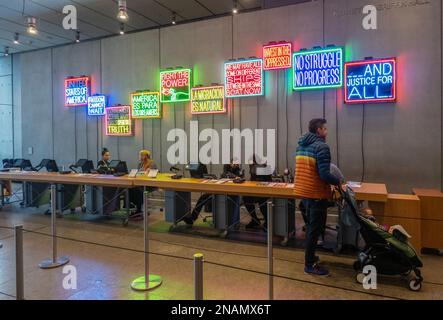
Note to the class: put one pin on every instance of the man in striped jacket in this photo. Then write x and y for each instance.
(313, 181)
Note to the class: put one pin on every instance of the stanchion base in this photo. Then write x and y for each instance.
(139, 284)
(49, 264)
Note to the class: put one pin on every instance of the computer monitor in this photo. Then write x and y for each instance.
(197, 170)
(8, 163)
(118, 166)
(22, 164)
(86, 165)
(49, 164)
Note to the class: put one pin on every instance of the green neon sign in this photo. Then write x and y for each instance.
(175, 85)
(318, 69)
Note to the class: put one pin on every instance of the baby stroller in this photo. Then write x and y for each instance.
(390, 253)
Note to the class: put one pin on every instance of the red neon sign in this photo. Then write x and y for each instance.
(77, 91)
(118, 121)
(244, 78)
(277, 56)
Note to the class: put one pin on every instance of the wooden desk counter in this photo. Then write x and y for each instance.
(431, 217)
(376, 192)
(367, 192)
(73, 178)
(248, 188)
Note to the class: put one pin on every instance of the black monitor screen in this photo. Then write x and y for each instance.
(86, 165)
(119, 166)
(197, 170)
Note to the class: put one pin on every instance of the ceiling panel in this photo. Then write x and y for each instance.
(97, 18)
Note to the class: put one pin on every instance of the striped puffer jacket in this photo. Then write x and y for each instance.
(312, 169)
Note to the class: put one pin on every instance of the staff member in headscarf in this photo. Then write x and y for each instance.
(145, 164)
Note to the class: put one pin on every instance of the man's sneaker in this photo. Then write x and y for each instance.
(316, 270)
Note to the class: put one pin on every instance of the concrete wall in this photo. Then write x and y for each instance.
(402, 142)
(6, 123)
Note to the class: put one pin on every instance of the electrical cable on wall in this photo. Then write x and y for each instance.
(75, 134)
(362, 143)
(52, 102)
(324, 104)
(160, 126)
(336, 128)
(287, 121)
(300, 114)
(258, 113)
(277, 113)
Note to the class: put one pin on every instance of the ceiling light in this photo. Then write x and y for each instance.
(122, 28)
(16, 39)
(6, 51)
(32, 25)
(122, 11)
(174, 18)
(77, 37)
(235, 8)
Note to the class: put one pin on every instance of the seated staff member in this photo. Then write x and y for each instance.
(249, 202)
(103, 165)
(145, 164)
(233, 171)
(202, 200)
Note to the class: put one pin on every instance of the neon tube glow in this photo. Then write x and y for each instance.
(244, 78)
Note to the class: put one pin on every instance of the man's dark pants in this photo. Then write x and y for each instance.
(316, 211)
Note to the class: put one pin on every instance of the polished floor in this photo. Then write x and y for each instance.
(105, 272)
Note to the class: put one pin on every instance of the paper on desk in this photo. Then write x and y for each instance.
(353, 184)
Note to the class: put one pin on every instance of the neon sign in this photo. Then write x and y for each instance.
(244, 78)
(145, 105)
(371, 81)
(77, 91)
(96, 105)
(118, 121)
(175, 85)
(208, 100)
(318, 69)
(277, 56)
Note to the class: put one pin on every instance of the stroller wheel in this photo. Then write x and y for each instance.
(360, 277)
(414, 284)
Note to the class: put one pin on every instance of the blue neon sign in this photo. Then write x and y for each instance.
(371, 81)
(318, 69)
(97, 105)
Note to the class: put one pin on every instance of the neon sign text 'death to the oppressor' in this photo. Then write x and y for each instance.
(77, 91)
(244, 78)
(371, 81)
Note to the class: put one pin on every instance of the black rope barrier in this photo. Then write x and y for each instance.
(217, 264)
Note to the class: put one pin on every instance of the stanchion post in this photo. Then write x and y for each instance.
(198, 276)
(19, 278)
(148, 281)
(55, 261)
(270, 250)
